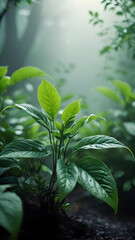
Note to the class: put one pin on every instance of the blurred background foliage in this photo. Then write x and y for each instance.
(88, 47)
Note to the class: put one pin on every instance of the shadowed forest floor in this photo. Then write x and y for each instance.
(88, 219)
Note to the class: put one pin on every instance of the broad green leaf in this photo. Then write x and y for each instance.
(122, 86)
(7, 162)
(99, 142)
(66, 177)
(132, 96)
(26, 73)
(97, 179)
(57, 134)
(81, 122)
(11, 213)
(130, 127)
(4, 187)
(58, 126)
(4, 83)
(36, 114)
(69, 123)
(3, 71)
(9, 167)
(70, 111)
(24, 149)
(49, 99)
(124, 89)
(111, 94)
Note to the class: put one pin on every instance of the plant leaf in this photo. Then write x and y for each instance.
(66, 97)
(49, 99)
(130, 127)
(12, 170)
(99, 142)
(111, 94)
(9, 180)
(3, 71)
(24, 148)
(97, 179)
(105, 50)
(66, 176)
(70, 111)
(58, 126)
(124, 89)
(11, 213)
(4, 187)
(82, 122)
(26, 73)
(46, 169)
(36, 114)
(4, 83)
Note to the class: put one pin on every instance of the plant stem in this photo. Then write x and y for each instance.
(71, 156)
(66, 149)
(59, 148)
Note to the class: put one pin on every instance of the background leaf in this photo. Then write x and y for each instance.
(124, 89)
(111, 94)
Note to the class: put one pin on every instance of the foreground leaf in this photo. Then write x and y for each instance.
(97, 179)
(4, 83)
(36, 114)
(67, 177)
(4, 187)
(49, 99)
(82, 122)
(3, 71)
(99, 142)
(24, 149)
(11, 213)
(26, 73)
(70, 111)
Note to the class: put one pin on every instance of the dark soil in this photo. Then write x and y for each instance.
(87, 219)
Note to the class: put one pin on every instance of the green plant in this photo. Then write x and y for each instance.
(12, 125)
(122, 126)
(123, 27)
(88, 171)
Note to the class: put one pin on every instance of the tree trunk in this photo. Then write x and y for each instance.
(15, 51)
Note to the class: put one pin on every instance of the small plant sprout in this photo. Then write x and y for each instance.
(68, 169)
